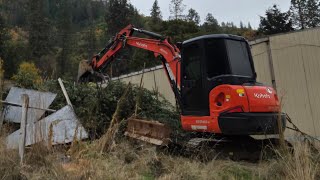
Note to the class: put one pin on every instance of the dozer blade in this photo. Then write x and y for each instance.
(152, 132)
(84, 70)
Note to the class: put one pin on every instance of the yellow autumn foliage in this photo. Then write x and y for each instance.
(28, 76)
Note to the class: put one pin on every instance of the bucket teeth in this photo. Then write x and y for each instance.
(152, 132)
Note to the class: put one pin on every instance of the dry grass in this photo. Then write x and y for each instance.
(9, 163)
(107, 140)
(131, 160)
(301, 164)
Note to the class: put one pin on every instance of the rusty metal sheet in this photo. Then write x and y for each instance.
(58, 128)
(36, 99)
(152, 132)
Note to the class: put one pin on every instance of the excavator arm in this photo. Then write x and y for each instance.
(160, 46)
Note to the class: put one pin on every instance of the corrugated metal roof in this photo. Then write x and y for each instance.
(36, 99)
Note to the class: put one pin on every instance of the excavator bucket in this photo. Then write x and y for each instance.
(152, 132)
(84, 70)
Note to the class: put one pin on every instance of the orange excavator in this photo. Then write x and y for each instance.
(213, 79)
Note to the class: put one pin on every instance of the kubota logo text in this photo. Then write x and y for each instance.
(141, 44)
(261, 96)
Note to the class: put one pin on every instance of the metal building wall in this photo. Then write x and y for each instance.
(260, 53)
(296, 60)
(153, 79)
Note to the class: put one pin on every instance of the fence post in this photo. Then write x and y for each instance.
(273, 76)
(22, 144)
(65, 93)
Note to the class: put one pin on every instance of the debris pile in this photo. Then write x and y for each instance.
(60, 127)
(90, 115)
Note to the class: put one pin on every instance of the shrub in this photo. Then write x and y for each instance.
(28, 76)
(95, 106)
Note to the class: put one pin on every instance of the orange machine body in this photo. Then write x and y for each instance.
(233, 99)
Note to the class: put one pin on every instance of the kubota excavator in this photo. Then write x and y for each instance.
(213, 79)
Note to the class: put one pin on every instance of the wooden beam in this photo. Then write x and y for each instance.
(65, 93)
(20, 105)
(23, 125)
(1, 118)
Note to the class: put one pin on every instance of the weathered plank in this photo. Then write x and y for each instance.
(22, 144)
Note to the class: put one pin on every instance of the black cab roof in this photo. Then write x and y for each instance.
(215, 36)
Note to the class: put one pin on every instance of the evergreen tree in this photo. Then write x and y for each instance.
(179, 30)
(156, 16)
(210, 20)
(39, 30)
(176, 9)
(3, 37)
(241, 25)
(118, 15)
(211, 24)
(91, 41)
(193, 16)
(275, 22)
(16, 12)
(249, 26)
(65, 41)
(8, 65)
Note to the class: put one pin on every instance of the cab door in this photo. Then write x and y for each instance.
(193, 93)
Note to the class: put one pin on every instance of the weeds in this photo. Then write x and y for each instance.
(130, 159)
(301, 164)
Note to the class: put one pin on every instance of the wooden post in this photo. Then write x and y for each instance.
(1, 117)
(22, 144)
(273, 76)
(65, 93)
(139, 93)
(1, 91)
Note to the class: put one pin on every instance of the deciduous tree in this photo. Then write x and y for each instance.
(176, 9)
(313, 13)
(305, 13)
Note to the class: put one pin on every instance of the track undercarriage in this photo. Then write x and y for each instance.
(205, 146)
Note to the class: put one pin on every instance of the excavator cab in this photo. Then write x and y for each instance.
(209, 61)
